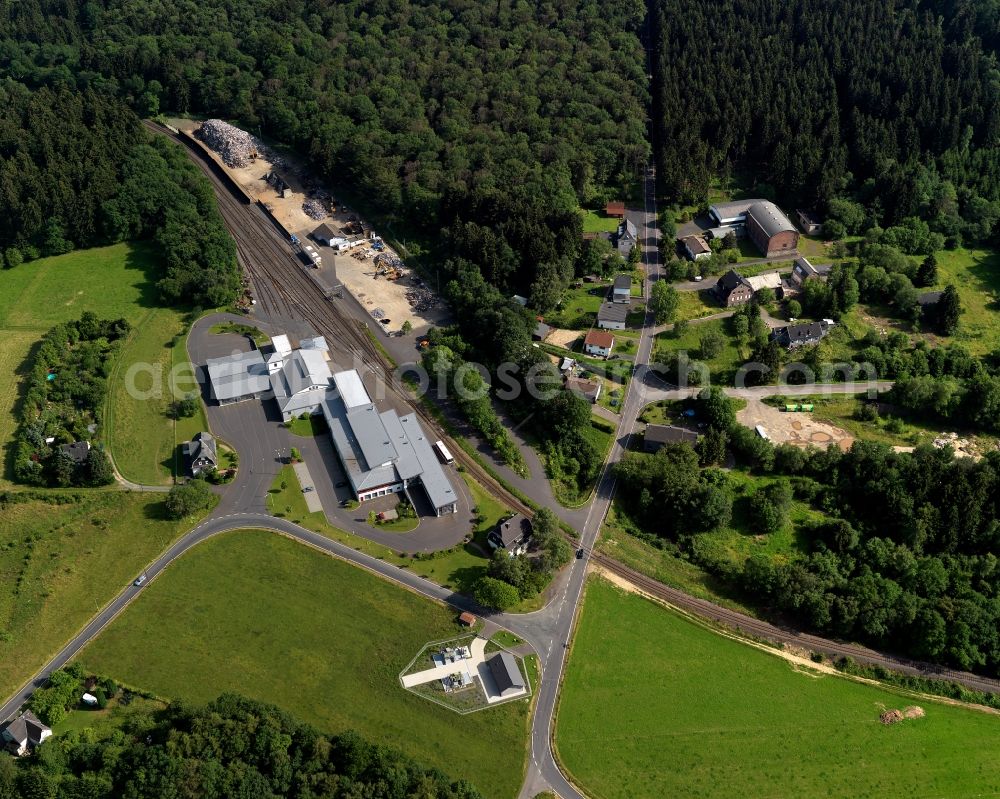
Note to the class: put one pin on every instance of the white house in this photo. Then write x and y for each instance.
(599, 343)
(696, 248)
(612, 315)
(622, 289)
(24, 732)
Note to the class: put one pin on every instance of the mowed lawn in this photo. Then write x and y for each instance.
(149, 376)
(116, 281)
(654, 705)
(260, 614)
(63, 555)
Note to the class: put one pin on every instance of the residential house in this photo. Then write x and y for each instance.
(599, 343)
(511, 534)
(809, 223)
(612, 315)
(590, 390)
(506, 674)
(25, 732)
(621, 291)
(77, 451)
(627, 237)
(696, 248)
(803, 270)
(541, 331)
(201, 453)
(732, 289)
(802, 334)
(657, 435)
(615, 209)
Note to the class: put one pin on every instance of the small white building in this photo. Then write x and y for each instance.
(89, 700)
(622, 289)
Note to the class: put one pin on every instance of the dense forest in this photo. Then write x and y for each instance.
(233, 747)
(493, 120)
(895, 102)
(905, 557)
(77, 170)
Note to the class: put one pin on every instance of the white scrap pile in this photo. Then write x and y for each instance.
(236, 147)
(314, 209)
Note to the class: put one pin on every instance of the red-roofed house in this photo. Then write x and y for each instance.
(599, 343)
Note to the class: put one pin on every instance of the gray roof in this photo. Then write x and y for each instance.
(201, 445)
(804, 267)
(351, 388)
(512, 530)
(628, 230)
(238, 375)
(665, 434)
(731, 210)
(506, 674)
(314, 343)
(26, 728)
(696, 244)
(929, 297)
(541, 331)
(324, 231)
(802, 333)
(301, 375)
(588, 388)
(770, 218)
(380, 449)
(612, 312)
(623, 282)
(77, 451)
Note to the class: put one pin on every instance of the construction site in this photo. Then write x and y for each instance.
(343, 250)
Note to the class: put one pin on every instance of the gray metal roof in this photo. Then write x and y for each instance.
(623, 282)
(238, 375)
(371, 435)
(361, 477)
(303, 373)
(770, 218)
(314, 343)
(506, 674)
(432, 477)
(612, 312)
(407, 463)
(351, 389)
(735, 211)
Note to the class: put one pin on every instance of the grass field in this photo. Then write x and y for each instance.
(976, 275)
(154, 352)
(63, 555)
(578, 308)
(598, 222)
(112, 282)
(722, 367)
(695, 304)
(600, 433)
(701, 715)
(256, 613)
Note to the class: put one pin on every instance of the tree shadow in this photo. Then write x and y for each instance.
(143, 257)
(20, 376)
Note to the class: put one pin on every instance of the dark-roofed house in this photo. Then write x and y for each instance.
(24, 732)
(590, 390)
(599, 343)
(929, 298)
(696, 248)
(325, 234)
(506, 674)
(541, 331)
(627, 237)
(621, 291)
(809, 222)
(201, 453)
(511, 534)
(616, 208)
(77, 451)
(731, 289)
(612, 315)
(803, 271)
(801, 334)
(659, 434)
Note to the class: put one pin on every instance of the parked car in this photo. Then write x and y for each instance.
(342, 484)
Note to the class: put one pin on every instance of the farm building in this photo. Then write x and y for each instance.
(657, 435)
(612, 316)
(696, 248)
(621, 291)
(615, 209)
(809, 223)
(768, 228)
(732, 289)
(201, 453)
(511, 534)
(381, 452)
(598, 343)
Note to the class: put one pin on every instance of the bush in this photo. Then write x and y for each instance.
(492, 593)
(188, 498)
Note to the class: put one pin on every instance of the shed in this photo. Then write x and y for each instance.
(466, 619)
(616, 208)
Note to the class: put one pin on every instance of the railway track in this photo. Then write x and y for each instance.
(285, 290)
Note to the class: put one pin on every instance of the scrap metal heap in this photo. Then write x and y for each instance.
(237, 148)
